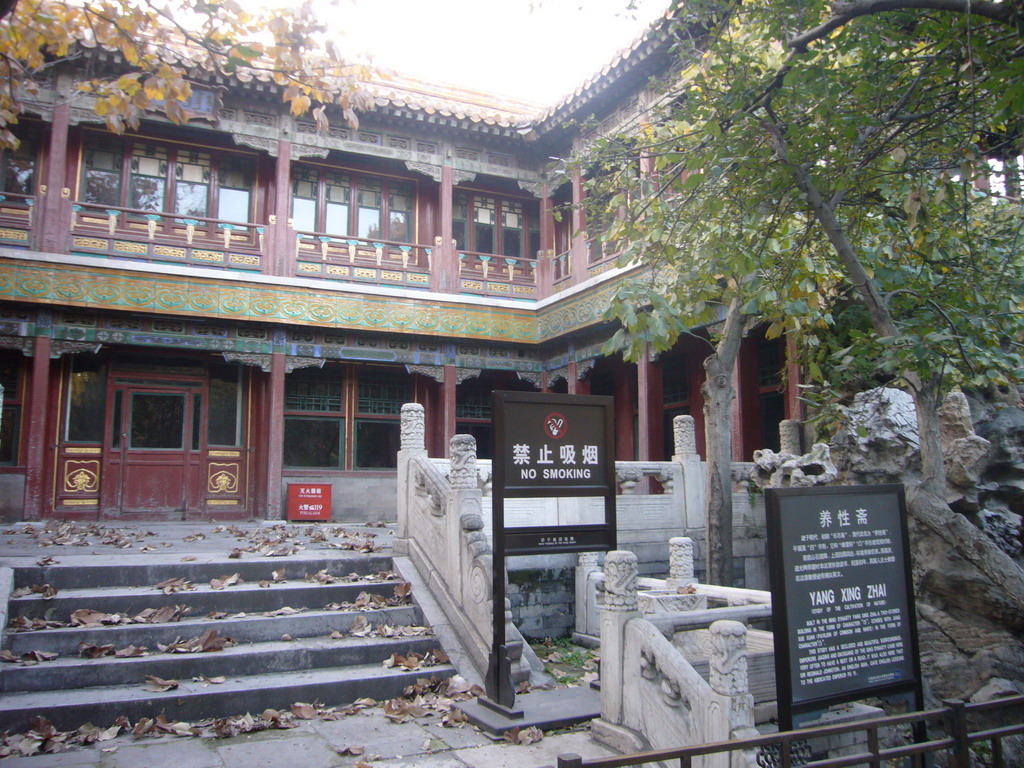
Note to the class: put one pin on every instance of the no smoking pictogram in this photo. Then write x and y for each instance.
(555, 426)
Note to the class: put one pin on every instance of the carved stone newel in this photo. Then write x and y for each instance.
(587, 560)
(620, 581)
(463, 467)
(728, 663)
(680, 559)
(412, 429)
(789, 437)
(684, 432)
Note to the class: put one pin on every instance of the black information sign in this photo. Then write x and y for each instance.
(553, 446)
(842, 597)
(545, 446)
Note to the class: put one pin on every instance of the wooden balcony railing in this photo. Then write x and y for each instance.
(488, 274)
(16, 220)
(165, 238)
(600, 257)
(358, 260)
(561, 271)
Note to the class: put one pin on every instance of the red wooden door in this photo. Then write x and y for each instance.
(152, 456)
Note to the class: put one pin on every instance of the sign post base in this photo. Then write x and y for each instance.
(559, 708)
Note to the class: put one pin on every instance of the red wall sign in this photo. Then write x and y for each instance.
(309, 501)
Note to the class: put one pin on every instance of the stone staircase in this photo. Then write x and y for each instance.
(293, 639)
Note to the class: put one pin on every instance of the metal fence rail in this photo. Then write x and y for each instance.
(949, 727)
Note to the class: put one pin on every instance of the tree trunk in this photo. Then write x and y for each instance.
(718, 396)
(926, 392)
(927, 399)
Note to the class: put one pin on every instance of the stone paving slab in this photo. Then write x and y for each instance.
(379, 737)
(178, 753)
(541, 753)
(305, 750)
(84, 758)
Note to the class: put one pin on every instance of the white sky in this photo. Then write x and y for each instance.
(534, 50)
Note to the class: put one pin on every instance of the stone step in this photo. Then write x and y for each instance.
(261, 671)
(193, 700)
(237, 661)
(138, 570)
(245, 629)
(249, 597)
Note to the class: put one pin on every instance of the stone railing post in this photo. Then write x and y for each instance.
(620, 605)
(586, 565)
(463, 466)
(684, 432)
(466, 496)
(466, 502)
(411, 446)
(728, 671)
(680, 562)
(692, 493)
(413, 426)
(789, 437)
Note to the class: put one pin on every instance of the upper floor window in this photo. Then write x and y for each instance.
(358, 205)
(19, 169)
(489, 224)
(149, 176)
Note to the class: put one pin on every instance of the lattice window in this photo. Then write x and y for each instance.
(306, 393)
(382, 393)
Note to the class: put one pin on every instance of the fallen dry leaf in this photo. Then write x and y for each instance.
(91, 651)
(159, 685)
(401, 710)
(170, 586)
(455, 718)
(28, 657)
(131, 651)
(45, 591)
(360, 627)
(85, 617)
(524, 735)
(351, 750)
(226, 581)
(285, 611)
(304, 711)
(210, 640)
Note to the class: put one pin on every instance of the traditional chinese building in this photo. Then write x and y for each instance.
(194, 317)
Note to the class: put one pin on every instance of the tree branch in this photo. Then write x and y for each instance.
(845, 12)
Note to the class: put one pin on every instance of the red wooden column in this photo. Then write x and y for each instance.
(643, 407)
(280, 259)
(275, 436)
(579, 241)
(625, 384)
(448, 408)
(545, 265)
(53, 223)
(445, 267)
(36, 429)
(572, 382)
(650, 401)
(577, 384)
